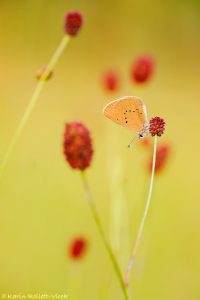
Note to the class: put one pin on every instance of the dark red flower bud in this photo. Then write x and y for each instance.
(142, 69)
(162, 155)
(73, 23)
(41, 72)
(111, 81)
(156, 126)
(78, 247)
(77, 145)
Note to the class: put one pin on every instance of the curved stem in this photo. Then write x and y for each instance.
(102, 234)
(32, 102)
(139, 235)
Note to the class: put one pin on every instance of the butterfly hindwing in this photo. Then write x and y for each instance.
(128, 111)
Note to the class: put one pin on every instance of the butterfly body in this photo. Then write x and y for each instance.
(129, 112)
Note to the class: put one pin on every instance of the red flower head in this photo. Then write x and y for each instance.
(162, 155)
(78, 247)
(41, 71)
(73, 23)
(142, 69)
(111, 81)
(156, 126)
(77, 145)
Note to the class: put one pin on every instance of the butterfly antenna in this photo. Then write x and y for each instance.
(132, 141)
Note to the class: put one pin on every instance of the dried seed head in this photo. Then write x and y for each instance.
(156, 126)
(78, 247)
(41, 71)
(73, 23)
(142, 69)
(77, 145)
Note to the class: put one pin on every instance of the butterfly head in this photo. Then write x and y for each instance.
(145, 131)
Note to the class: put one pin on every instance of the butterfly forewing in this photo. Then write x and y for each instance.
(128, 111)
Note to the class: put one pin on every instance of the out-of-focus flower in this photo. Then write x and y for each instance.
(77, 145)
(111, 81)
(41, 71)
(162, 155)
(142, 69)
(156, 126)
(78, 247)
(146, 142)
(73, 23)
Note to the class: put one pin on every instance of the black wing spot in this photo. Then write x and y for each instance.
(126, 121)
(129, 110)
(133, 110)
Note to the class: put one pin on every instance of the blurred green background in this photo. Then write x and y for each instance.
(42, 203)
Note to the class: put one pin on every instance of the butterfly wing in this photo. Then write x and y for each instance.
(128, 111)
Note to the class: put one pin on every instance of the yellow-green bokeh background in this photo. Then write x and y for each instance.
(42, 203)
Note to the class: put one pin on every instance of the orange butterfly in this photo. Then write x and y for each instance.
(130, 112)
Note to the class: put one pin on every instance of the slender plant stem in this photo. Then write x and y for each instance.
(102, 234)
(33, 100)
(139, 235)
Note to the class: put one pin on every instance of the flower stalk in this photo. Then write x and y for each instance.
(139, 235)
(33, 100)
(102, 234)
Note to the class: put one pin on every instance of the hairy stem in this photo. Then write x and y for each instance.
(102, 234)
(139, 235)
(33, 100)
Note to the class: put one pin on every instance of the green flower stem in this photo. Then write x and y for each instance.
(102, 234)
(34, 98)
(139, 235)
